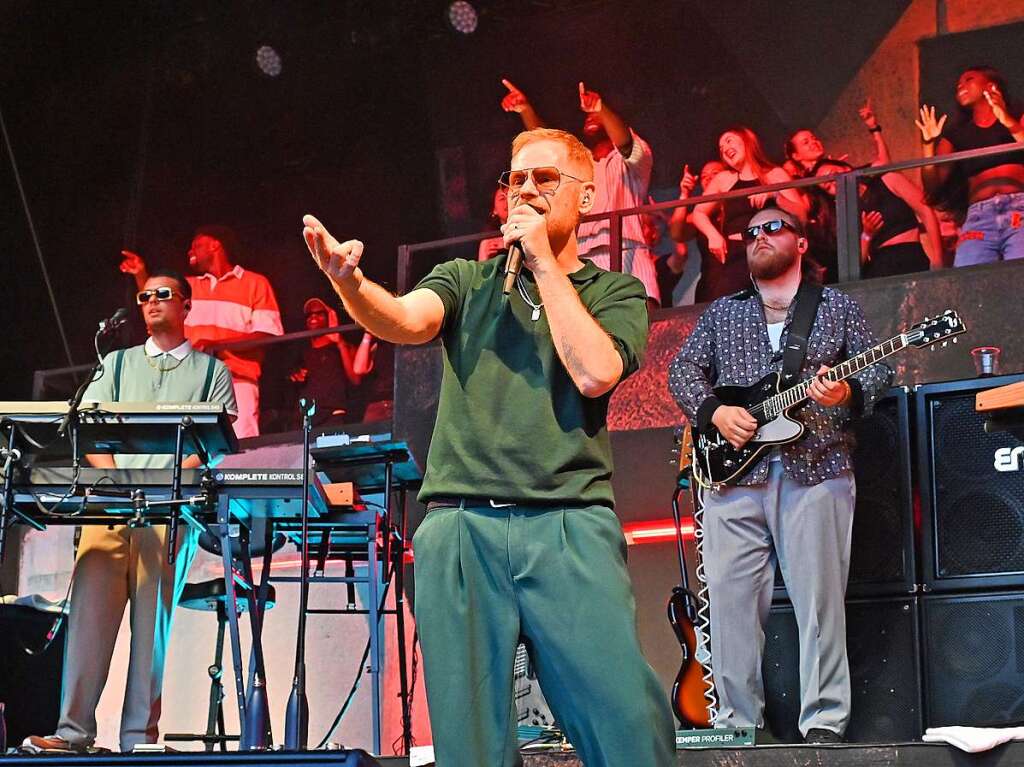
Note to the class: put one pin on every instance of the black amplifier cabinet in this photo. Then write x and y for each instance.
(972, 491)
(882, 642)
(882, 552)
(974, 659)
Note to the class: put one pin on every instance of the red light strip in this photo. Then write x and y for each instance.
(656, 531)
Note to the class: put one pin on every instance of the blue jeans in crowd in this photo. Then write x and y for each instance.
(993, 231)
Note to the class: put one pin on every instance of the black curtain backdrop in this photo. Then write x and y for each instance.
(133, 124)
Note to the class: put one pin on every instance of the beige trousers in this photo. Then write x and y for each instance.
(118, 566)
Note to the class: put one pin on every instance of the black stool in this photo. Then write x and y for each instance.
(211, 596)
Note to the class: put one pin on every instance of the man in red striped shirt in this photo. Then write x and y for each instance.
(229, 304)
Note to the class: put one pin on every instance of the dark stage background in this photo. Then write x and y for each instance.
(133, 124)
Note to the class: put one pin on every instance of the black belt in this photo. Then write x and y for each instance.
(447, 502)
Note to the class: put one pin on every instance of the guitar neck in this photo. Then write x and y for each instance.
(798, 393)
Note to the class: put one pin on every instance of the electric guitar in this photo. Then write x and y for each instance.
(691, 686)
(716, 462)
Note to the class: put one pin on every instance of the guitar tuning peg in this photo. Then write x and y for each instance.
(955, 340)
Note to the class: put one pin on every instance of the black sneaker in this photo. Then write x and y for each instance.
(820, 736)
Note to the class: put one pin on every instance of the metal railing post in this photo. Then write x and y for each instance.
(848, 227)
(615, 242)
(404, 264)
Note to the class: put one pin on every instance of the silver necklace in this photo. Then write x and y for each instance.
(526, 297)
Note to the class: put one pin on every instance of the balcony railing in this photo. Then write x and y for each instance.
(57, 383)
(847, 212)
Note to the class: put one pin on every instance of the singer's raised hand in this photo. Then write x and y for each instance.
(338, 260)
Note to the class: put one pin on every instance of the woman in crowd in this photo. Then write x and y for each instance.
(893, 211)
(724, 265)
(804, 148)
(331, 366)
(989, 190)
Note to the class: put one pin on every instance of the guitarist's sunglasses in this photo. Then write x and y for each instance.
(768, 227)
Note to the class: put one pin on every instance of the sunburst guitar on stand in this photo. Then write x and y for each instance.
(693, 690)
(716, 462)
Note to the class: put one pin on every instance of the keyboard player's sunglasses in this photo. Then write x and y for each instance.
(160, 294)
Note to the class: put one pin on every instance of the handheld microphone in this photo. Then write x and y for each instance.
(114, 321)
(512, 266)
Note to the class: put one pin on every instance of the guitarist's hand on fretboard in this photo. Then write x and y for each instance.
(828, 393)
(735, 424)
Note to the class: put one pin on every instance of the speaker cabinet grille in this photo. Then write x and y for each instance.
(972, 514)
(883, 649)
(882, 549)
(974, 659)
(29, 684)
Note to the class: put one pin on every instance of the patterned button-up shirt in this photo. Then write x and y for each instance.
(730, 347)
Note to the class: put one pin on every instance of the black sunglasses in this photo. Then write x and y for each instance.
(768, 227)
(161, 294)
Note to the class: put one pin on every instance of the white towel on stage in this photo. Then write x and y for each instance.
(973, 739)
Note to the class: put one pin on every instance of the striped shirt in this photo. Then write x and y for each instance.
(622, 182)
(241, 301)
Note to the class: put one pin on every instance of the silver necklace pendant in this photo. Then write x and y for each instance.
(535, 315)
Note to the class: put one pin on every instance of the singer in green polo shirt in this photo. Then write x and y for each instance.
(521, 540)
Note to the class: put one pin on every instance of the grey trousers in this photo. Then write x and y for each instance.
(118, 566)
(807, 531)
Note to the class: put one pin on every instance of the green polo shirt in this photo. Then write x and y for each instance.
(511, 425)
(176, 376)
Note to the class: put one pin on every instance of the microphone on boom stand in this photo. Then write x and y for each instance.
(69, 424)
(296, 721)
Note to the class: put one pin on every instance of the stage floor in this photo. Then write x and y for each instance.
(847, 755)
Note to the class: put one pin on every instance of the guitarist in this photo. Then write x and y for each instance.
(795, 506)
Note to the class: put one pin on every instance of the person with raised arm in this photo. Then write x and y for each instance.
(229, 304)
(987, 191)
(520, 540)
(622, 174)
(803, 148)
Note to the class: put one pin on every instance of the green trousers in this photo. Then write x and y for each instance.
(557, 578)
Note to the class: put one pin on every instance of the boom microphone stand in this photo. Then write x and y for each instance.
(296, 724)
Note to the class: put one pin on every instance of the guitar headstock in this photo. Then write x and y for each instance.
(683, 448)
(933, 330)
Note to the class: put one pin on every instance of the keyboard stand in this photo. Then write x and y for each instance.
(351, 535)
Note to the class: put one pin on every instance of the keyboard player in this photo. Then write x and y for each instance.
(118, 566)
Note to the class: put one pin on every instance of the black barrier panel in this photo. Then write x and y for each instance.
(972, 495)
(884, 651)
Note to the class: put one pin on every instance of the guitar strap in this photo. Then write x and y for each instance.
(808, 296)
